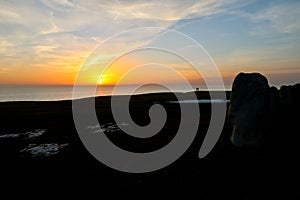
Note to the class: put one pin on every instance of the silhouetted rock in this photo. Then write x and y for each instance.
(248, 108)
(274, 98)
(261, 114)
(290, 95)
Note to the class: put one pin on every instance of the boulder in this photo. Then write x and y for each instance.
(285, 95)
(261, 114)
(249, 108)
(274, 98)
(290, 95)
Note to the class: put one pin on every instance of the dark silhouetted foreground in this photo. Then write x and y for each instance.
(42, 155)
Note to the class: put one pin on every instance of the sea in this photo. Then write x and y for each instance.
(9, 93)
(55, 93)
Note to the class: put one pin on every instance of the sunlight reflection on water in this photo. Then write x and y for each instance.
(202, 101)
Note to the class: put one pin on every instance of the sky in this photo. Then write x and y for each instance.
(47, 42)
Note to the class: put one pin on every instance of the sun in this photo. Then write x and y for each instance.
(100, 81)
(106, 79)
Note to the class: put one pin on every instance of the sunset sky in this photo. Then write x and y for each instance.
(45, 42)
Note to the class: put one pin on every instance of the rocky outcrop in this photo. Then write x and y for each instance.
(262, 114)
(290, 95)
(248, 108)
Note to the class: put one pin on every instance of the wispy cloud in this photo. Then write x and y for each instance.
(57, 35)
(283, 17)
(6, 48)
(3, 70)
(45, 49)
(8, 14)
(61, 5)
(4, 45)
(166, 10)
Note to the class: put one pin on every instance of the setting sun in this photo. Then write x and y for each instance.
(126, 96)
(100, 81)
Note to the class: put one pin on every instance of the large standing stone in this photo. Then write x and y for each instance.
(248, 110)
(290, 113)
(290, 95)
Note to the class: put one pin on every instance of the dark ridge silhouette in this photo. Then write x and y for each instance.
(41, 153)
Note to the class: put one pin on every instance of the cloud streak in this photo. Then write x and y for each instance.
(283, 17)
(57, 35)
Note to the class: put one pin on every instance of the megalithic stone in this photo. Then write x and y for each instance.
(249, 104)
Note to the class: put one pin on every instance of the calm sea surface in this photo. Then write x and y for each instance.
(53, 93)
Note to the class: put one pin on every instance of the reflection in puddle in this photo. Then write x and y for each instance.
(202, 101)
(107, 128)
(26, 135)
(43, 149)
(9, 136)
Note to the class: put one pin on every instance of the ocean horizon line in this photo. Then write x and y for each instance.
(60, 93)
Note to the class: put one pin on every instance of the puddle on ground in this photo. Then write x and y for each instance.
(14, 135)
(202, 101)
(43, 150)
(27, 135)
(107, 128)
